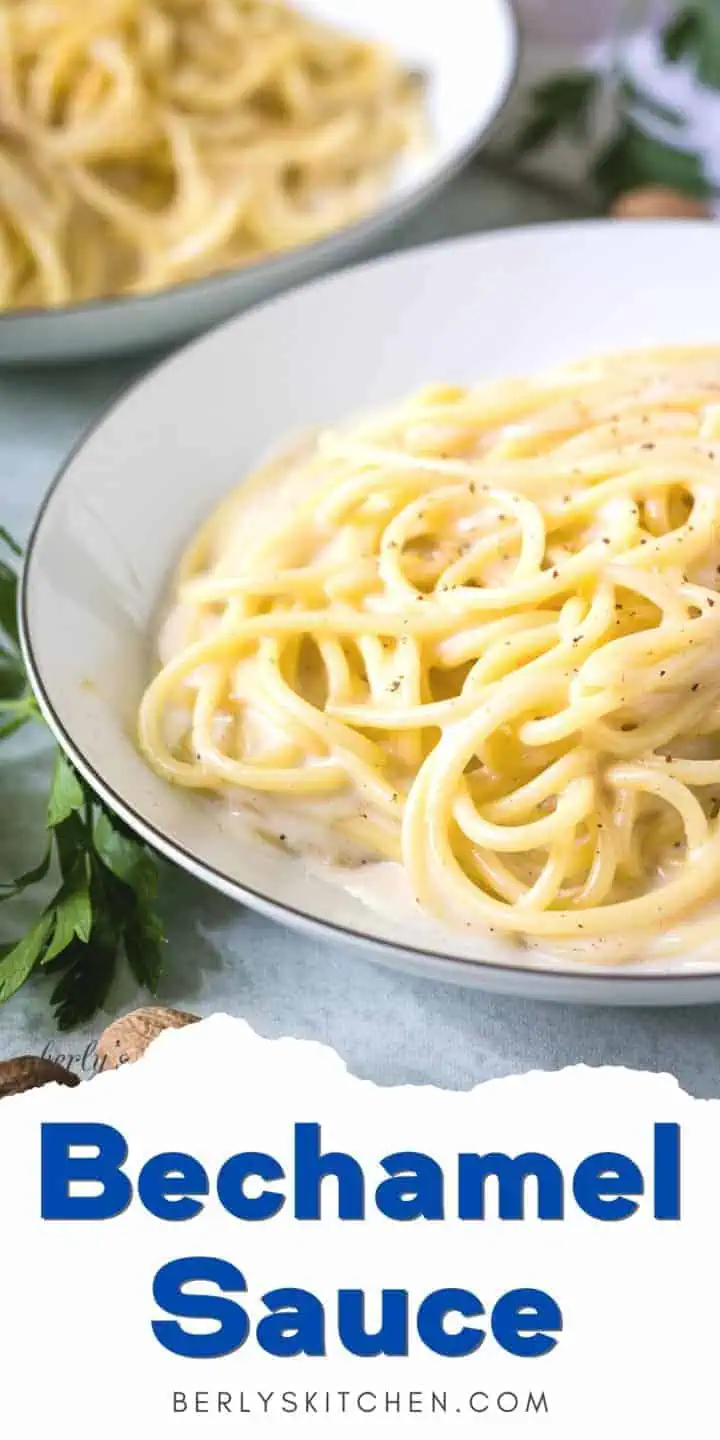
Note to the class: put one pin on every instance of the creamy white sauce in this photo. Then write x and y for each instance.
(306, 831)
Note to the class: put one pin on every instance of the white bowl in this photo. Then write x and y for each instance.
(128, 499)
(467, 50)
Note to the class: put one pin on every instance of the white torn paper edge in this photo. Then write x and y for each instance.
(637, 1353)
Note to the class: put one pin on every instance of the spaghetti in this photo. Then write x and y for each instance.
(145, 143)
(484, 643)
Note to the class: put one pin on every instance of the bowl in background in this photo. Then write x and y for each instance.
(468, 53)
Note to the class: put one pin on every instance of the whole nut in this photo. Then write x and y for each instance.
(653, 202)
(129, 1037)
(29, 1072)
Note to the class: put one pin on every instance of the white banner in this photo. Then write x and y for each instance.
(286, 1249)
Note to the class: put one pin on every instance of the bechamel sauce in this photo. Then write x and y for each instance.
(304, 831)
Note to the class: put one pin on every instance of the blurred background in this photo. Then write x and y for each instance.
(617, 94)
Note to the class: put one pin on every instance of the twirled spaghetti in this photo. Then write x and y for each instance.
(147, 142)
(484, 641)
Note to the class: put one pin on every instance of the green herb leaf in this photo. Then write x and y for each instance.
(707, 52)
(67, 925)
(70, 843)
(66, 795)
(130, 887)
(17, 719)
(536, 132)
(567, 95)
(144, 941)
(631, 92)
(85, 984)
(12, 676)
(125, 857)
(31, 877)
(103, 910)
(563, 103)
(72, 913)
(21, 959)
(7, 540)
(680, 36)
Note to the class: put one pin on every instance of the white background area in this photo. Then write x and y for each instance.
(639, 1351)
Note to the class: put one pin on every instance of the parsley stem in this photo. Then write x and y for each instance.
(103, 911)
(26, 706)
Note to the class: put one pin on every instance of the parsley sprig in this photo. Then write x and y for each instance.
(568, 104)
(17, 702)
(103, 910)
(694, 34)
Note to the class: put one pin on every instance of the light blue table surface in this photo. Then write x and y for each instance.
(387, 1026)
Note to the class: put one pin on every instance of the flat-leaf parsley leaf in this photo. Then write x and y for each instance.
(103, 910)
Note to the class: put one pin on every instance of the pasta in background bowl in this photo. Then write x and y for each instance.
(203, 153)
(469, 639)
(144, 143)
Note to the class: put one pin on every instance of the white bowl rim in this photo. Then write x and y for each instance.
(391, 209)
(444, 965)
